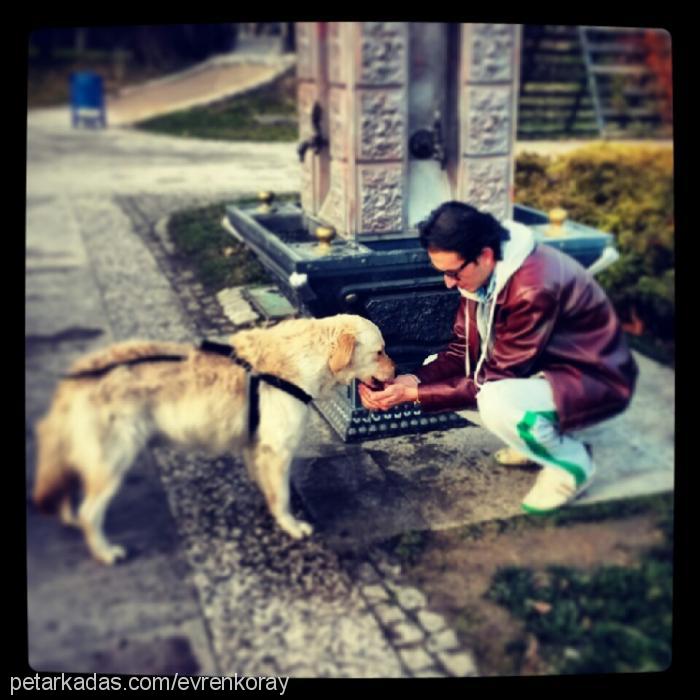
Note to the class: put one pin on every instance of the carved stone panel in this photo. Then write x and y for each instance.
(381, 198)
(307, 94)
(489, 52)
(304, 38)
(336, 56)
(485, 184)
(382, 124)
(334, 209)
(488, 120)
(338, 122)
(307, 186)
(383, 51)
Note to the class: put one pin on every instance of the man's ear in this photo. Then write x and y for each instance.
(340, 357)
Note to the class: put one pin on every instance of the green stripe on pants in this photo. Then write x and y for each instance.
(525, 431)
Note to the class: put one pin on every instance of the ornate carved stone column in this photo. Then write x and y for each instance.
(490, 72)
(366, 106)
(378, 81)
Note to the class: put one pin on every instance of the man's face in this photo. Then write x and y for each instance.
(471, 276)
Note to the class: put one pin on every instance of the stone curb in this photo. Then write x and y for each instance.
(420, 638)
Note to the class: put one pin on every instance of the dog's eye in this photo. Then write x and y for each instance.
(380, 353)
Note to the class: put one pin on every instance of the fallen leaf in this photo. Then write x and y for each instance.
(541, 607)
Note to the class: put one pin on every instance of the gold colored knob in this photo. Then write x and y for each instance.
(557, 217)
(325, 235)
(266, 199)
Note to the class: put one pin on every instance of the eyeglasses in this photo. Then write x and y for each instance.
(454, 274)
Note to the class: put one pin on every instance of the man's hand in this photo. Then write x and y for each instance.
(402, 390)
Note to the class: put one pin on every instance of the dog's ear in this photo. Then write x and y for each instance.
(340, 358)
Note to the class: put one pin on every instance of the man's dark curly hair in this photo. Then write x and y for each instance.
(460, 228)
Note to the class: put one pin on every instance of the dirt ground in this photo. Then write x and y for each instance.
(455, 573)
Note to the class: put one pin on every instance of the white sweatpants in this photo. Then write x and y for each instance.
(521, 412)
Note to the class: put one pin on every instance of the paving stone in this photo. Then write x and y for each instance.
(432, 622)
(409, 598)
(388, 614)
(375, 594)
(367, 573)
(443, 641)
(389, 569)
(235, 307)
(431, 672)
(405, 633)
(417, 660)
(461, 664)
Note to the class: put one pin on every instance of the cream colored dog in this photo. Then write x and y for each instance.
(98, 424)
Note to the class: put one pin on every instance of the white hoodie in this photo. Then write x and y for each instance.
(514, 251)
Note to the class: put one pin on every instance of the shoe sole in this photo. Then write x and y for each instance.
(524, 462)
(536, 511)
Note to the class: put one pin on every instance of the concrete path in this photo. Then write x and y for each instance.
(218, 78)
(211, 586)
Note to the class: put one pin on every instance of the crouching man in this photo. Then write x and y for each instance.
(537, 348)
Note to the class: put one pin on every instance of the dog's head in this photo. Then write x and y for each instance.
(357, 352)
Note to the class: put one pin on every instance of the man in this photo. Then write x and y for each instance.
(537, 348)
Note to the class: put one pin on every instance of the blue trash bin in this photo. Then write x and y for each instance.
(87, 99)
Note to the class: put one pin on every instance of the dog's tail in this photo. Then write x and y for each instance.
(54, 479)
(126, 352)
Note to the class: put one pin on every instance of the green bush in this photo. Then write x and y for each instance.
(626, 190)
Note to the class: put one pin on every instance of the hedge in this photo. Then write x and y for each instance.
(626, 190)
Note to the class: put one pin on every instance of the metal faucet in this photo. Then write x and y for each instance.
(317, 141)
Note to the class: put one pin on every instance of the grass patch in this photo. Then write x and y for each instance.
(268, 113)
(613, 619)
(216, 258)
(408, 547)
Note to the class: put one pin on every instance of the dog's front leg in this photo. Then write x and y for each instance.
(272, 472)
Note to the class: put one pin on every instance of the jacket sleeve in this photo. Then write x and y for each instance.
(443, 383)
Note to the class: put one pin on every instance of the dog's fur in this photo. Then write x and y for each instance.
(97, 425)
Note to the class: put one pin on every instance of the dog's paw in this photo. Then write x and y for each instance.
(111, 555)
(296, 528)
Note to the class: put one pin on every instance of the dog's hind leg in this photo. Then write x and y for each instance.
(66, 513)
(272, 472)
(100, 487)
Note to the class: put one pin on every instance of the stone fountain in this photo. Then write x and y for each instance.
(395, 118)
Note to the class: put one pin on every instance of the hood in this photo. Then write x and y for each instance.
(514, 252)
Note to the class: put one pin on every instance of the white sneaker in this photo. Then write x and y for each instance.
(554, 488)
(509, 457)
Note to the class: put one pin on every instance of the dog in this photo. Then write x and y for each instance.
(115, 399)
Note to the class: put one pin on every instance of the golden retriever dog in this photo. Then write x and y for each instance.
(124, 394)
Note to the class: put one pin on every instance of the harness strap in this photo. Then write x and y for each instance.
(254, 380)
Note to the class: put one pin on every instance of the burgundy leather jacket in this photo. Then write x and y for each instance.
(552, 317)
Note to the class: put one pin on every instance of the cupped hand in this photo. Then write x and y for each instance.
(402, 390)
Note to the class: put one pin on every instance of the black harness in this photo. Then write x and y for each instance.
(254, 378)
